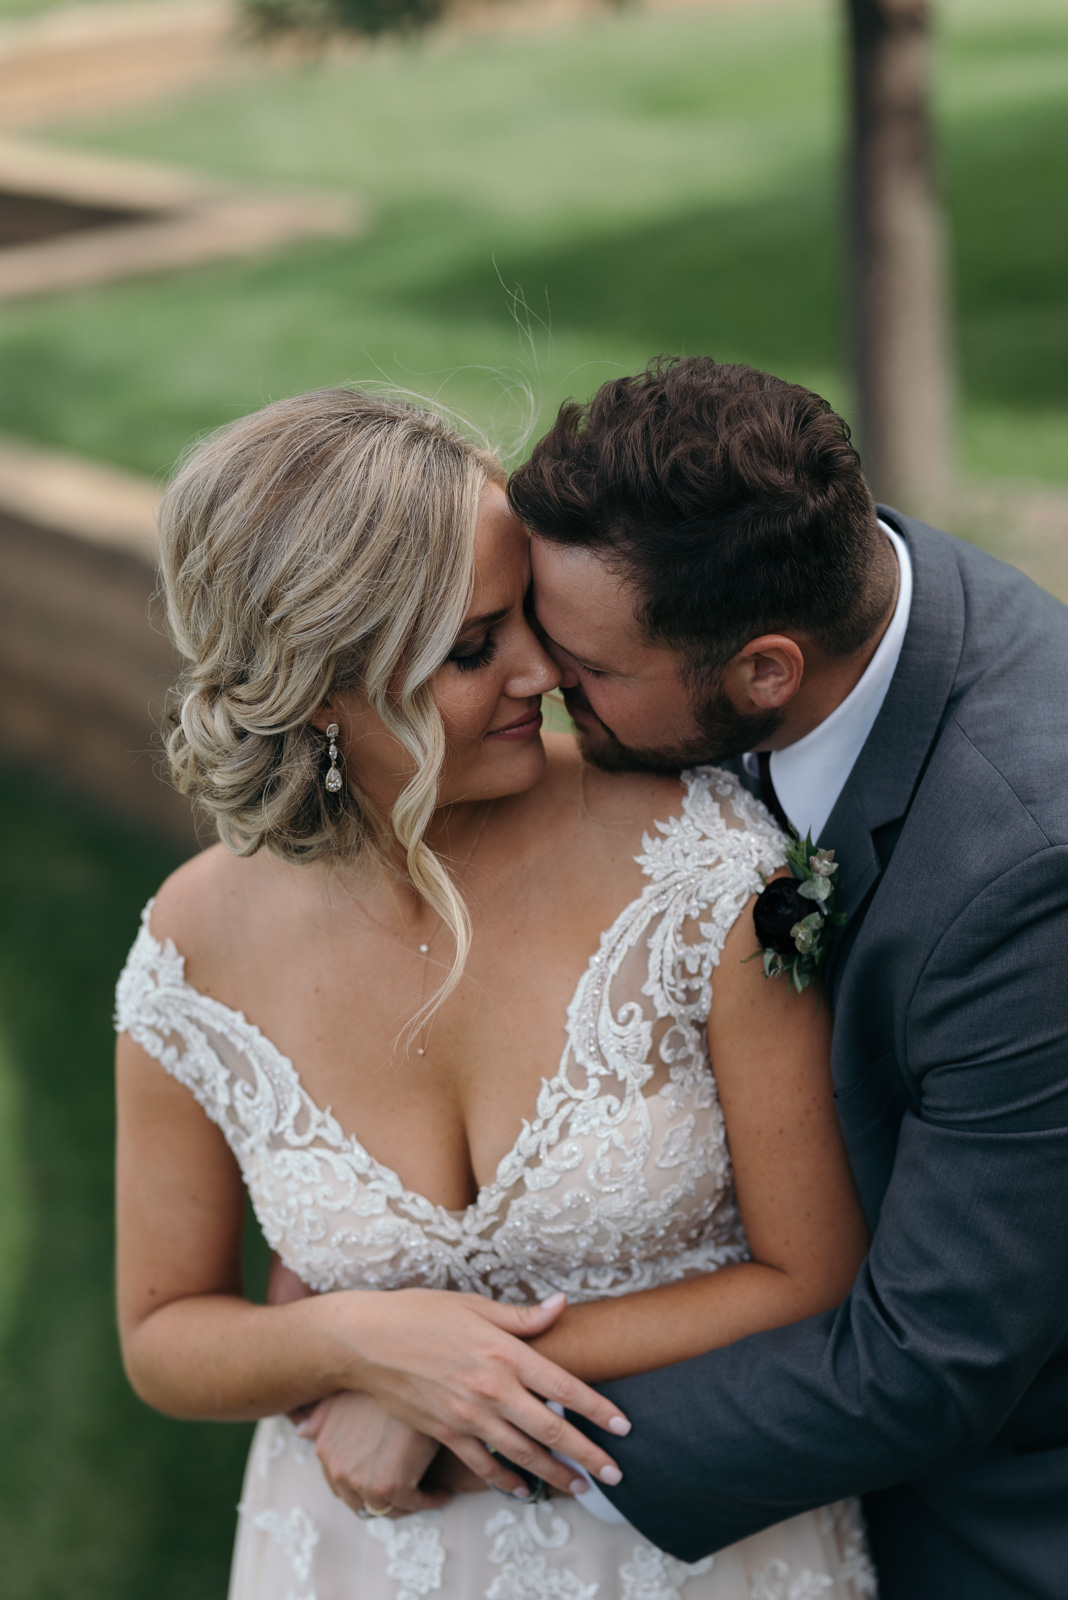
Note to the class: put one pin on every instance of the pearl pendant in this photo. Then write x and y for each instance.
(424, 949)
(420, 1051)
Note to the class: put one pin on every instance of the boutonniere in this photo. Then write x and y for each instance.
(794, 916)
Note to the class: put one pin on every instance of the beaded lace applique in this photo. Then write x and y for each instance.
(607, 1189)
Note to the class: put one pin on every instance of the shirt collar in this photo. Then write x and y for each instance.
(810, 774)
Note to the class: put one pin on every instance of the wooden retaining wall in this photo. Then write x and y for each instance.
(85, 663)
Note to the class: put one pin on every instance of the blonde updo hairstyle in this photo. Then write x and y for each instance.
(322, 543)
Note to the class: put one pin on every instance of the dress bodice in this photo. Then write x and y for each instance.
(619, 1180)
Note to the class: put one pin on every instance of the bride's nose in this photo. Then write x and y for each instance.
(535, 671)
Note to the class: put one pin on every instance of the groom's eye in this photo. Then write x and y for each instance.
(469, 657)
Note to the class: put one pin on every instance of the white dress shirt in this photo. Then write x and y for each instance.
(810, 774)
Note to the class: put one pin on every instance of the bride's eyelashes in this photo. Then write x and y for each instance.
(469, 658)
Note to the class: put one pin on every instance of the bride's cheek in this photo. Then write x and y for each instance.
(467, 711)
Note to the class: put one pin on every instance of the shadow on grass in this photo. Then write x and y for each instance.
(762, 281)
(758, 282)
(100, 1499)
(417, 299)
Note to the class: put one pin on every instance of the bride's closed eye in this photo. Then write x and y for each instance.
(469, 657)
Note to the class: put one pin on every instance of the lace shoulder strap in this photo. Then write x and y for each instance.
(243, 1082)
(646, 994)
(719, 821)
(704, 865)
(156, 1006)
(633, 1104)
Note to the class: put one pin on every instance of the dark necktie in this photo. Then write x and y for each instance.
(768, 795)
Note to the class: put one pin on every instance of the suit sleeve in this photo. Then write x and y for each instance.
(963, 1297)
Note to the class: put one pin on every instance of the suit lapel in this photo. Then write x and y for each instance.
(885, 775)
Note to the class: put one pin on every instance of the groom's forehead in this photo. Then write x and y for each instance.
(582, 603)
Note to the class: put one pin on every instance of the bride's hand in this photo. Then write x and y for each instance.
(370, 1459)
(457, 1367)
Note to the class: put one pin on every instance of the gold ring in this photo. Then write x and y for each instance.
(367, 1512)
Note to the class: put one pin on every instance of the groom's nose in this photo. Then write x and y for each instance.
(569, 678)
(564, 663)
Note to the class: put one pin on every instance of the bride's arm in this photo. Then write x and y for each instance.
(449, 1365)
(770, 1051)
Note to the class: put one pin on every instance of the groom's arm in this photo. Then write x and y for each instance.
(964, 1295)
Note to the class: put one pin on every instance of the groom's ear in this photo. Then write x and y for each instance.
(766, 674)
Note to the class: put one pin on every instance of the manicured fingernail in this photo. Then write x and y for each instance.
(553, 1301)
(302, 1427)
(578, 1486)
(619, 1425)
(610, 1475)
(522, 1493)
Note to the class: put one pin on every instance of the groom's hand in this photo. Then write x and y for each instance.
(369, 1459)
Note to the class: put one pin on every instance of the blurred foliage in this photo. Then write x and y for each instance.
(14, 1200)
(318, 19)
(100, 1499)
(653, 182)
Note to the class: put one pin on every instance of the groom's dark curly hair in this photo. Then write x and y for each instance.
(732, 500)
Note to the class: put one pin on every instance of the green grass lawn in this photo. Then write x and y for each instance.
(650, 181)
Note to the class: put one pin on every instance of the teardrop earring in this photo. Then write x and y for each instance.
(333, 779)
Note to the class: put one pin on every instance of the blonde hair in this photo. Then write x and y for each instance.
(324, 542)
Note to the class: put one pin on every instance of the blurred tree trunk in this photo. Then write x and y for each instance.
(900, 338)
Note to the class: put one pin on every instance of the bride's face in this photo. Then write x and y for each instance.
(488, 691)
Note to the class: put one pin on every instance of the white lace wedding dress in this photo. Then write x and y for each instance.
(620, 1180)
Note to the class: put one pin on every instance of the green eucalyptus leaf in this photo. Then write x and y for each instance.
(814, 872)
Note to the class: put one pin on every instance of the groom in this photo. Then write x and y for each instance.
(715, 582)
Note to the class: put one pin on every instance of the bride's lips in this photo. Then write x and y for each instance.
(524, 727)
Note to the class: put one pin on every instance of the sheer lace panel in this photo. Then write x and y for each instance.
(619, 1180)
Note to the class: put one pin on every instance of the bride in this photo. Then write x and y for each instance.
(472, 1025)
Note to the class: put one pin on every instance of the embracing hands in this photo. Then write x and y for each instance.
(424, 1367)
(455, 1368)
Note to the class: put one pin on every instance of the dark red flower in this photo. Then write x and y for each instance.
(776, 910)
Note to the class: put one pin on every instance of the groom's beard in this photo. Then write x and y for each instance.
(722, 731)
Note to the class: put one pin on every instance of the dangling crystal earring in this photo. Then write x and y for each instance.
(333, 778)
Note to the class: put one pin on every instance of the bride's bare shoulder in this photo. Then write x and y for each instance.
(197, 905)
(622, 802)
(632, 802)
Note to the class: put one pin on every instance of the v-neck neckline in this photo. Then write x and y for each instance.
(324, 1116)
(512, 1162)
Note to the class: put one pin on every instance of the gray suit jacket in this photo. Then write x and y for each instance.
(947, 1367)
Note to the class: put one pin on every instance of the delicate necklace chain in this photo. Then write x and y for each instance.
(424, 949)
